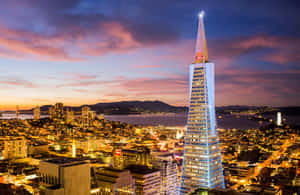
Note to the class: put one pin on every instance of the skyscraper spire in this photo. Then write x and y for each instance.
(201, 48)
(202, 164)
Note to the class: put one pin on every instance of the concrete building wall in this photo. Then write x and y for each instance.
(70, 175)
(48, 169)
(76, 179)
(59, 191)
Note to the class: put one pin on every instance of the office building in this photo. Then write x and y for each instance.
(147, 181)
(51, 112)
(57, 112)
(69, 117)
(202, 165)
(166, 164)
(64, 176)
(17, 112)
(87, 117)
(36, 113)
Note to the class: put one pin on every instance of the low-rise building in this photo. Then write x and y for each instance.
(64, 176)
(115, 182)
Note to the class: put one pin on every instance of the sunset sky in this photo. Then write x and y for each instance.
(88, 51)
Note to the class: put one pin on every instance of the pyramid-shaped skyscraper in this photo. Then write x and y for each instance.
(202, 165)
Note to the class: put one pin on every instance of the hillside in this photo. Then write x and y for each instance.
(128, 107)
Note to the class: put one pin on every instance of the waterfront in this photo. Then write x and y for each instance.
(223, 121)
(226, 122)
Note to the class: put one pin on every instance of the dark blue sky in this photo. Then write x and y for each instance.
(89, 51)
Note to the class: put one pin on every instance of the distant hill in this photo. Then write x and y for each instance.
(291, 110)
(143, 107)
(128, 107)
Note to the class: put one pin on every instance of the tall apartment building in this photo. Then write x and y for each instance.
(57, 112)
(69, 117)
(36, 113)
(13, 147)
(202, 165)
(17, 112)
(64, 176)
(87, 117)
(166, 164)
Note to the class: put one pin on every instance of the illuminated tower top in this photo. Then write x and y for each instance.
(201, 48)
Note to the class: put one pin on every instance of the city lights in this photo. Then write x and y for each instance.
(97, 98)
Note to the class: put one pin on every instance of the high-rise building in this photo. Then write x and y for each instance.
(36, 113)
(202, 165)
(279, 118)
(57, 112)
(87, 117)
(147, 181)
(65, 176)
(69, 117)
(13, 147)
(51, 112)
(166, 164)
(17, 112)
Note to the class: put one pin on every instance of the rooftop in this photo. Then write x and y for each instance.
(139, 169)
(65, 161)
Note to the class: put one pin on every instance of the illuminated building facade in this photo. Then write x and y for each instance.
(51, 112)
(13, 147)
(166, 164)
(17, 112)
(89, 144)
(36, 113)
(69, 117)
(202, 165)
(57, 112)
(136, 156)
(147, 181)
(279, 120)
(87, 117)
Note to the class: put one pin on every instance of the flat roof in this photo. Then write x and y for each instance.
(64, 160)
(140, 169)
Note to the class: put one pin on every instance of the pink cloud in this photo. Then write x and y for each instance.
(23, 43)
(87, 83)
(114, 38)
(80, 76)
(148, 66)
(17, 83)
(283, 49)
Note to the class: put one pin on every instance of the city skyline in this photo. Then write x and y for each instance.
(83, 53)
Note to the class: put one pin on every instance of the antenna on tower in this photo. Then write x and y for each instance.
(201, 48)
